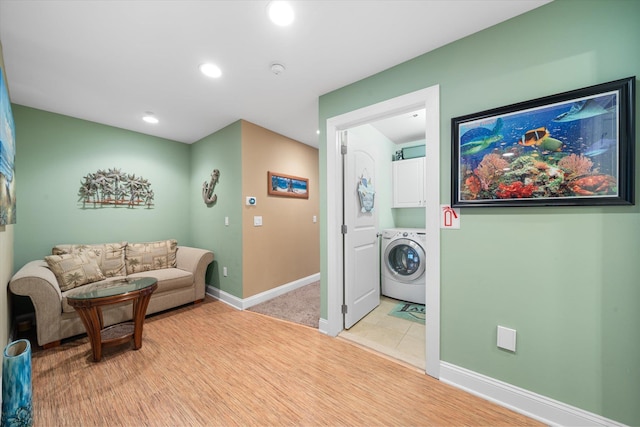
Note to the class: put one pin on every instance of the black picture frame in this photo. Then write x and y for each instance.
(574, 148)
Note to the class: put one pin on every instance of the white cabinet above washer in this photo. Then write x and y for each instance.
(409, 183)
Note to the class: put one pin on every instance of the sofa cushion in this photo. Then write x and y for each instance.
(168, 279)
(150, 256)
(73, 270)
(110, 256)
(108, 282)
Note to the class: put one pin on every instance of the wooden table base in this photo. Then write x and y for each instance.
(90, 311)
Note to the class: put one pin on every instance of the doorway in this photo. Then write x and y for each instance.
(429, 100)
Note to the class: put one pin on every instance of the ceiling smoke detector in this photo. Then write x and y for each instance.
(277, 69)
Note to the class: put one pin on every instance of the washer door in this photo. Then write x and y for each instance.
(404, 259)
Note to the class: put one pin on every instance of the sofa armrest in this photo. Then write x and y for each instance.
(195, 261)
(37, 282)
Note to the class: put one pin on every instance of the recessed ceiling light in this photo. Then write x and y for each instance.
(210, 70)
(150, 118)
(280, 13)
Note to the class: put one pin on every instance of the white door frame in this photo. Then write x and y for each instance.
(429, 99)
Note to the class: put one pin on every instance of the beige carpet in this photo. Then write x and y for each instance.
(301, 306)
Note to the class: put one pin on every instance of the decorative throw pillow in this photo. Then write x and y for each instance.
(73, 270)
(150, 256)
(110, 256)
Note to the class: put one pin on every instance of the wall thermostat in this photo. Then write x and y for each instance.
(251, 201)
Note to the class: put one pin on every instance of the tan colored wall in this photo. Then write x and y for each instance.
(287, 246)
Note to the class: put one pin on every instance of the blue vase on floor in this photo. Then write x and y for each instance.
(16, 385)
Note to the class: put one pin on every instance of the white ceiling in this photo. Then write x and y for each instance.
(403, 128)
(111, 61)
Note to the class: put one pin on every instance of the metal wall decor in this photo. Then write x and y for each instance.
(207, 188)
(115, 188)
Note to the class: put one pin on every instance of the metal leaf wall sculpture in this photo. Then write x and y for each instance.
(115, 188)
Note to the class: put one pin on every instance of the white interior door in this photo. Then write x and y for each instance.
(361, 250)
(428, 98)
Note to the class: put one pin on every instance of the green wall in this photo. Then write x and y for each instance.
(54, 153)
(223, 151)
(565, 278)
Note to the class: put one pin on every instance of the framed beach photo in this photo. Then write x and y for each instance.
(573, 148)
(287, 185)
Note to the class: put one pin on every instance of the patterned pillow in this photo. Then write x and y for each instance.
(73, 270)
(150, 256)
(110, 256)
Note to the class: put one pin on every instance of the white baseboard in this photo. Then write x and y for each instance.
(242, 304)
(225, 297)
(538, 407)
(323, 326)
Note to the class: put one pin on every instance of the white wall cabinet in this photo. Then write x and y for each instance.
(409, 183)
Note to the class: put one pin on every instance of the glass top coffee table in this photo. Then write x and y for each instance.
(89, 302)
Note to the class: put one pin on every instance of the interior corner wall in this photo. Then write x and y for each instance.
(220, 150)
(566, 278)
(6, 262)
(54, 153)
(287, 245)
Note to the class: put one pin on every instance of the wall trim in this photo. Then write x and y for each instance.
(536, 406)
(323, 326)
(225, 297)
(242, 304)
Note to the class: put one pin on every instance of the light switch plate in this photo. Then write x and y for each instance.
(257, 221)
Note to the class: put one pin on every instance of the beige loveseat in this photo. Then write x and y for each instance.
(180, 272)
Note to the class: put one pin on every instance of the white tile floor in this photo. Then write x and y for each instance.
(398, 338)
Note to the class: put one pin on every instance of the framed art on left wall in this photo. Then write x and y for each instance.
(7, 157)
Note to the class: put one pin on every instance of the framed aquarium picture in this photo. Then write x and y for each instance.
(7, 157)
(288, 186)
(573, 148)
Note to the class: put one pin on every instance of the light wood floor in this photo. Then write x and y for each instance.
(211, 365)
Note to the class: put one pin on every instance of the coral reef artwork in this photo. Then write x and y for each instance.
(115, 188)
(7, 158)
(543, 153)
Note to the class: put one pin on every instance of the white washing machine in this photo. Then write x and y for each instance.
(403, 264)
